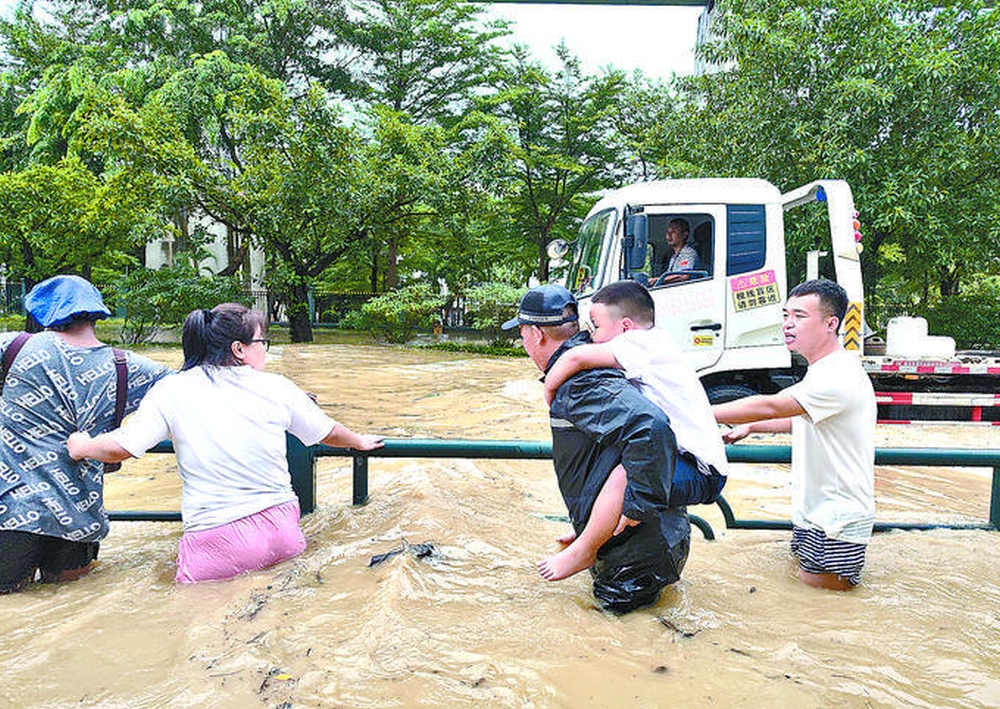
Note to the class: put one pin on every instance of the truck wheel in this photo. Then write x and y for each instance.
(722, 393)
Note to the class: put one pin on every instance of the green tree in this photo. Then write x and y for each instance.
(289, 40)
(559, 128)
(425, 58)
(63, 218)
(179, 109)
(298, 181)
(644, 109)
(424, 61)
(283, 171)
(13, 146)
(440, 199)
(96, 66)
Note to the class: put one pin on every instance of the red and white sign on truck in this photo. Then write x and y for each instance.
(725, 312)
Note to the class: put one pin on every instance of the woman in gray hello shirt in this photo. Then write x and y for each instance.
(62, 380)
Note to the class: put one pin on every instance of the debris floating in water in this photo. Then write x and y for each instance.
(683, 633)
(419, 551)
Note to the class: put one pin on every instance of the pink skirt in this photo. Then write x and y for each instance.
(248, 544)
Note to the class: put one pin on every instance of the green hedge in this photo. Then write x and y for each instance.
(494, 350)
(398, 315)
(164, 297)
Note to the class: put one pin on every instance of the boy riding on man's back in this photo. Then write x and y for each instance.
(624, 338)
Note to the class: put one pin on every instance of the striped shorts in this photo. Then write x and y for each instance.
(818, 554)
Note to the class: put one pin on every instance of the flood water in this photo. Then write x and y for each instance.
(473, 624)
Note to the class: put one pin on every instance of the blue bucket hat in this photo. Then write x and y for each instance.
(59, 299)
(543, 305)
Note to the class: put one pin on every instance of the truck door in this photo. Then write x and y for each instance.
(688, 285)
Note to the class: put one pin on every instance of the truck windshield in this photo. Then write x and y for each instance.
(583, 277)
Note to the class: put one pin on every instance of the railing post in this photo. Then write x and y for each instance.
(703, 525)
(995, 500)
(360, 496)
(302, 467)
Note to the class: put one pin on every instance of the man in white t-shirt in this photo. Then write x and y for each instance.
(831, 414)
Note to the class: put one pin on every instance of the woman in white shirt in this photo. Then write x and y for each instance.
(227, 420)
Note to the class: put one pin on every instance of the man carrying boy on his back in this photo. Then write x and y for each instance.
(624, 338)
(831, 414)
(599, 422)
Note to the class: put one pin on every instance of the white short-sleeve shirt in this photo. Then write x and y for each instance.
(652, 361)
(833, 449)
(227, 426)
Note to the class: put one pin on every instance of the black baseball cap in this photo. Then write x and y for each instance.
(543, 305)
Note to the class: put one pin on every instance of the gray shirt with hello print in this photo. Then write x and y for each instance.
(52, 390)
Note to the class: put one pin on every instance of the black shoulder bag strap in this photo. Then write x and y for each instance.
(121, 392)
(121, 381)
(10, 353)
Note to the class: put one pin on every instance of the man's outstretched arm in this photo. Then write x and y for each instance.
(757, 408)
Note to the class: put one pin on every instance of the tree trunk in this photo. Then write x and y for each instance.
(391, 267)
(949, 282)
(374, 269)
(299, 322)
(543, 258)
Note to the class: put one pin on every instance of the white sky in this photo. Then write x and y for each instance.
(657, 40)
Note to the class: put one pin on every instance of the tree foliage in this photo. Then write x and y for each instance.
(63, 218)
(153, 300)
(562, 146)
(374, 144)
(396, 316)
(427, 59)
(491, 305)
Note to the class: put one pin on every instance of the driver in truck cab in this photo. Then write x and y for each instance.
(684, 256)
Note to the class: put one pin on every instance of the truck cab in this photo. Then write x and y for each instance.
(724, 310)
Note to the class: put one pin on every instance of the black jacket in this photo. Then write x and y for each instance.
(599, 419)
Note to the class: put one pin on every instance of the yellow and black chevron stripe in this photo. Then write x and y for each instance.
(852, 327)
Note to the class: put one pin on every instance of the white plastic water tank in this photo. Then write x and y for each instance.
(939, 347)
(907, 337)
(903, 336)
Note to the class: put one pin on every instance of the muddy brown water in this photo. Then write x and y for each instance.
(473, 625)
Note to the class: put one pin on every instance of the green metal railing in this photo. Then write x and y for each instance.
(302, 465)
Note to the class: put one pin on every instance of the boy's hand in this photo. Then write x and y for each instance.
(736, 433)
(548, 392)
(623, 523)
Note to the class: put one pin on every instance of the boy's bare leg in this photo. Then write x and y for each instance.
(604, 517)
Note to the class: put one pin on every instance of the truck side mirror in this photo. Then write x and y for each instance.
(635, 244)
(557, 249)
